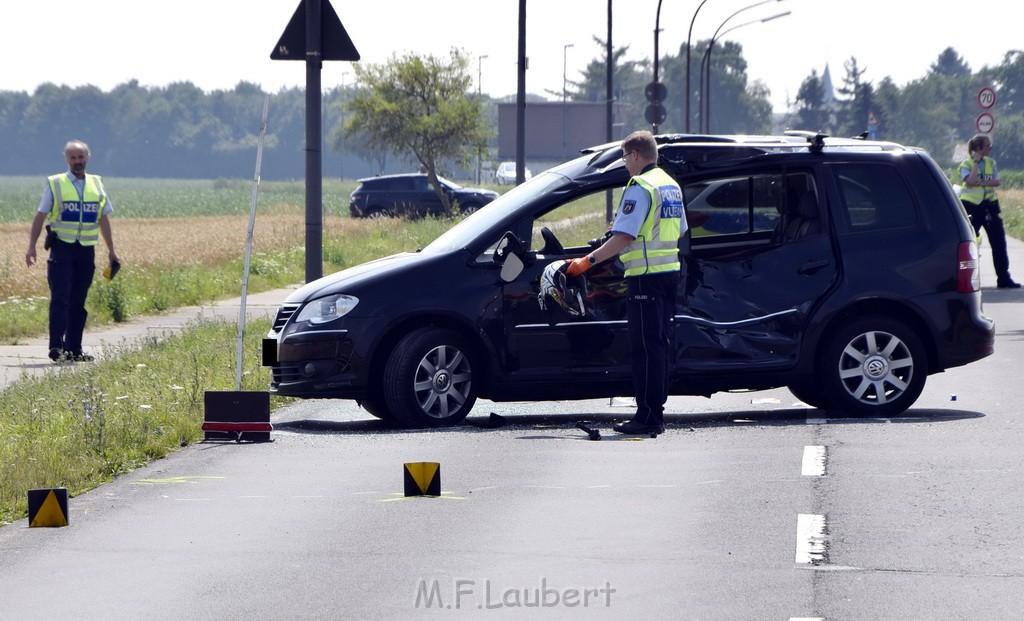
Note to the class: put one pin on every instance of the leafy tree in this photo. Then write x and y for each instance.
(729, 103)
(628, 81)
(886, 105)
(858, 102)
(419, 108)
(951, 65)
(811, 113)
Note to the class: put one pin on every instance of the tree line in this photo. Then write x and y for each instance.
(180, 131)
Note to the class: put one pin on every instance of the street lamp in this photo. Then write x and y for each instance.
(479, 83)
(705, 99)
(689, 34)
(565, 111)
(657, 29)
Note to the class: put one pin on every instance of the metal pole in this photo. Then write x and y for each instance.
(248, 243)
(608, 111)
(314, 146)
(657, 30)
(689, 34)
(479, 90)
(565, 111)
(521, 98)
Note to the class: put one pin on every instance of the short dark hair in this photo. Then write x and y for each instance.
(641, 141)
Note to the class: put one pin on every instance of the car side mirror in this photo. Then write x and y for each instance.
(508, 252)
(511, 268)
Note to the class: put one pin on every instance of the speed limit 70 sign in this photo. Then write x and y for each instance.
(986, 98)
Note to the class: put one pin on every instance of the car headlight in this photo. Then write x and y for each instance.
(327, 308)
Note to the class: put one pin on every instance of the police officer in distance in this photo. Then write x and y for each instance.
(645, 234)
(78, 211)
(980, 177)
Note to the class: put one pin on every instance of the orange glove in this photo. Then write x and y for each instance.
(578, 266)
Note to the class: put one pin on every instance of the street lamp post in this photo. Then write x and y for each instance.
(657, 30)
(565, 110)
(689, 34)
(479, 82)
(705, 86)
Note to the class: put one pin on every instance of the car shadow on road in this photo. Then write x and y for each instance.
(602, 422)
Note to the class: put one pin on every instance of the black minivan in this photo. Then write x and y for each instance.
(843, 269)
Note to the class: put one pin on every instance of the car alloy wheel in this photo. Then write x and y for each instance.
(875, 366)
(428, 380)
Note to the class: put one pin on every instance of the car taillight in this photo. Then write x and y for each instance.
(968, 274)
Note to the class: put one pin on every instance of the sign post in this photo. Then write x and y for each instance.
(986, 121)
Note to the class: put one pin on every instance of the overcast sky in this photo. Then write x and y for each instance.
(217, 43)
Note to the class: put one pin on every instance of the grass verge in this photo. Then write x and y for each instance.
(79, 426)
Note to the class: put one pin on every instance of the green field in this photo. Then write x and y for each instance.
(173, 198)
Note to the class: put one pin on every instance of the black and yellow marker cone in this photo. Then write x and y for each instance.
(48, 507)
(422, 479)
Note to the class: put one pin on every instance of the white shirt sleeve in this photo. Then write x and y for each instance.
(633, 209)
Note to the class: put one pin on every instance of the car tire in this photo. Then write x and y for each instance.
(375, 213)
(377, 407)
(811, 393)
(428, 379)
(873, 366)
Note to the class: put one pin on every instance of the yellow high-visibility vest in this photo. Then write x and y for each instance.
(76, 218)
(655, 248)
(975, 194)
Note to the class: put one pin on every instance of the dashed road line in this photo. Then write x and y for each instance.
(810, 539)
(813, 464)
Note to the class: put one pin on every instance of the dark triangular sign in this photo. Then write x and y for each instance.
(333, 38)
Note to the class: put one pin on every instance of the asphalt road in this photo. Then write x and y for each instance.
(750, 506)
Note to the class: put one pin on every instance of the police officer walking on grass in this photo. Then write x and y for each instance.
(645, 234)
(78, 211)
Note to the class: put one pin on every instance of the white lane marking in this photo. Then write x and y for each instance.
(810, 539)
(813, 462)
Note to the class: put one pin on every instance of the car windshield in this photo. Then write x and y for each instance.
(470, 228)
(451, 185)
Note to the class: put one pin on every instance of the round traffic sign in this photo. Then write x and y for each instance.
(987, 97)
(985, 123)
(655, 114)
(655, 91)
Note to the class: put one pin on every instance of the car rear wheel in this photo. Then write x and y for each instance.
(375, 213)
(810, 393)
(874, 366)
(428, 379)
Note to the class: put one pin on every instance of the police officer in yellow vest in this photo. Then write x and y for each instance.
(78, 211)
(645, 234)
(980, 177)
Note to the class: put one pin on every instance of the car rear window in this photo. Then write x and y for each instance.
(874, 197)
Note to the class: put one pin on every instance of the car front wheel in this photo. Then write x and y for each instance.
(874, 366)
(428, 379)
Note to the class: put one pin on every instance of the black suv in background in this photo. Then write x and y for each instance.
(412, 195)
(843, 269)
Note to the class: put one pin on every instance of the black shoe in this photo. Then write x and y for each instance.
(634, 428)
(57, 355)
(1008, 284)
(80, 357)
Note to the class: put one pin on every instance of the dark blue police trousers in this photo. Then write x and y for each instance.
(650, 305)
(69, 271)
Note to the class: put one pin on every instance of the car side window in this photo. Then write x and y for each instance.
(735, 205)
(874, 197)
(576, 222)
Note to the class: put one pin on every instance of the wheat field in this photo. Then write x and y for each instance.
(145, 242)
